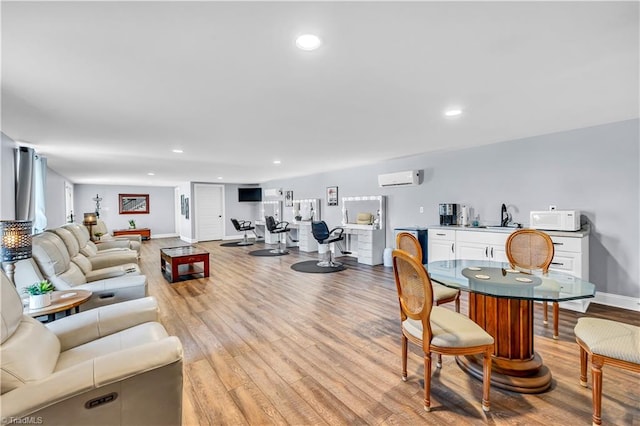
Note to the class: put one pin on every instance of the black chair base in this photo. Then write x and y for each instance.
(279, 251)
(329, 264)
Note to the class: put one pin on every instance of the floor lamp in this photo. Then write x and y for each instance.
(90, 219)
(15, 244)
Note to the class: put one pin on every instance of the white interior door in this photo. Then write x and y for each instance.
(209, 209)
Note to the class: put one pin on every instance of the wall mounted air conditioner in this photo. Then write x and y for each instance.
(410, 177)
(273, 192)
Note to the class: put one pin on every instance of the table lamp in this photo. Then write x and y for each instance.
(15, 245)
(90, 219)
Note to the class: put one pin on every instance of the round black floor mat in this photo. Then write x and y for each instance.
(266, 252)
(235, 244)
(311, 266)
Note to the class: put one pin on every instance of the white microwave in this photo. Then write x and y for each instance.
(555, 220)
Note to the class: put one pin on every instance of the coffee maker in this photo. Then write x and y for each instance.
(449, 214)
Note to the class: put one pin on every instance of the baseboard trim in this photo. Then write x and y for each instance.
(188, 240)
(618, 301)
(164, 235)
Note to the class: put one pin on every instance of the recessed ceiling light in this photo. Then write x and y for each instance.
(151, 174)
(219, 177)
(453, 112)
(276, 161)
(178, 151)
(308, 42)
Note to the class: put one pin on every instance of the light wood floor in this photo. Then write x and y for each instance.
(264, 344)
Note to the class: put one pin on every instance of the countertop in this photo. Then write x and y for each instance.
(583, 232)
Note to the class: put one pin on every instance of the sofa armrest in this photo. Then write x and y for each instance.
(89, 325)
(88, 375)
(108, 258)
(111, 244)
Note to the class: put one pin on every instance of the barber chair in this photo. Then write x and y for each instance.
(278, 228)
(324, 236)
(243, 226)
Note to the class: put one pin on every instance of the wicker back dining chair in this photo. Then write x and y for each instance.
(441, 294)
(436, 329)
(531, 250)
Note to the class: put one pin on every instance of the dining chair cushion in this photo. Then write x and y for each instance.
(610, 338)
(450, 329)
(441, 292)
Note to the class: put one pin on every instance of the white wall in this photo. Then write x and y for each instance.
(595, 170)
(55, 201)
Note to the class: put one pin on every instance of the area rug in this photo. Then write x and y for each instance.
(266, 252)
(311, 266)
(235, 244)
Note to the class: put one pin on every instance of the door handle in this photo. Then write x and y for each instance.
(486, 252)
(452, 248)
(492, 252)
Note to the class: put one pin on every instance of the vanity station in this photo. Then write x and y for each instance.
(571, 250)
(366, 241)
(269, 208)
(300, 215)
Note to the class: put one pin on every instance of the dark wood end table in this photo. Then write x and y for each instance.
(179, 262)
(145, 233)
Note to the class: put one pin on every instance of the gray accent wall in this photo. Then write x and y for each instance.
(161, 217)
(594, 170)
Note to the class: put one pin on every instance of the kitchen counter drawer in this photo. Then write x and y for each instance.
(442, 234)
(567, 244)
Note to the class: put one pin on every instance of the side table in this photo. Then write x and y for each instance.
(64, 300)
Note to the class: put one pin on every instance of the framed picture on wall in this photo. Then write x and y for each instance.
(182, 204)
(133, 203)
(332, 195)
(288, 199)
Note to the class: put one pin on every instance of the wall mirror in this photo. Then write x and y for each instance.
(133, 203)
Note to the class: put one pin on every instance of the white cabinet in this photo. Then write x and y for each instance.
(571, 251)
(442, 244)
(365, 242)
(306, 241)
(571, 255)
(481, 245)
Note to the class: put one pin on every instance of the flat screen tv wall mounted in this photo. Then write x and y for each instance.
(249, 194)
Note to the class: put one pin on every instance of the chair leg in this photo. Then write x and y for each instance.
(545, 318)
(486, 380)
(404, 358)
(457, 302)
(439, 361)
(556, 313)
(427, 381)
(584, 360)
(596, 383)
(328, 262)
(245, 240)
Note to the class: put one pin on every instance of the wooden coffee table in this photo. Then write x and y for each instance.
(64, 300)
(177, 262)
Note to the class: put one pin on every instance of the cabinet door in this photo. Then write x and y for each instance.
(498, 253)
(472, 251)
(441, 250)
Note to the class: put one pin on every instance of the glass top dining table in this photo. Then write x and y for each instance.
(501, 301)
(499, 280)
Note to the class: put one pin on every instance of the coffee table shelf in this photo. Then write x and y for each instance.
(177, 263)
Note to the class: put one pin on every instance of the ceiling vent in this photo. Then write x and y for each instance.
(408, 178)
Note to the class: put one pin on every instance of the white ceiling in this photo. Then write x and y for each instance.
(106, 90)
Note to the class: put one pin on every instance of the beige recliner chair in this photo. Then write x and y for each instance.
(116, 252)
(93, 268)
(51, 260)
(110, 366)
(135, 241)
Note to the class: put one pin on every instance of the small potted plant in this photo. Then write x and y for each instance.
(132, 224)
(97, 235)
(39, 294)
